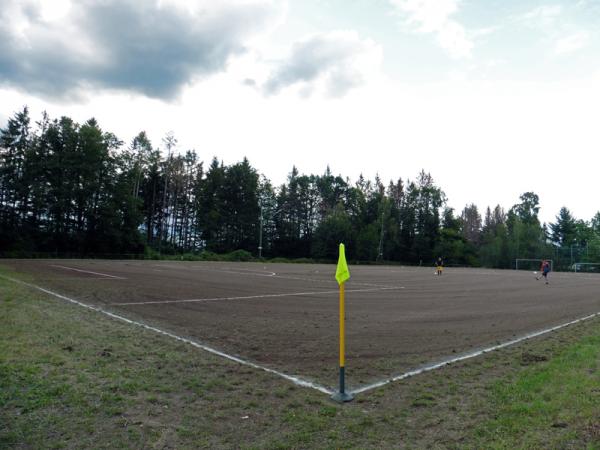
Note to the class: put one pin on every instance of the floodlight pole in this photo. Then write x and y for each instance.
(260, 234)
(380, 250)
(162, 216)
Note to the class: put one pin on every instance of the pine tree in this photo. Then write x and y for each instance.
(563, 231)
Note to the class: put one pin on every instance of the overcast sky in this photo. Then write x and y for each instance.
(493, 97)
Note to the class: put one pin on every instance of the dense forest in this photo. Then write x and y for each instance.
(74, 189)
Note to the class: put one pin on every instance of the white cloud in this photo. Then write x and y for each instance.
(495, 62)
(152, 47)
(333, 63)
(544, 15)
(560, 35)
(571, 43)
(392, 128)
(434, 16)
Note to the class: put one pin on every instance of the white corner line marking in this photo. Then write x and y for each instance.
(88, 271)
(250, 297)
(296, 380)
(430, 367)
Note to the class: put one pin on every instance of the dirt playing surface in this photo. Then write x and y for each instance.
(285, 316)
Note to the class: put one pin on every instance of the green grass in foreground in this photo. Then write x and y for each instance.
(562, 393)
(72, 378)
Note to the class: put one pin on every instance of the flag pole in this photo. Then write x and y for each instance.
(342, 274)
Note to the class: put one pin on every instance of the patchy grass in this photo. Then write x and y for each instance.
(73, 378)
(562, 394)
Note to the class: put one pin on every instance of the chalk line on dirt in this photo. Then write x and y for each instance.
(437, 365)
(88, 271)
(298, 380)
(250, 297)
(294, 379)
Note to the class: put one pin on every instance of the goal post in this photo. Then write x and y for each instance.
(586, 267)
(531, 264)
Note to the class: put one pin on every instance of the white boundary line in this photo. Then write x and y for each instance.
(249, 297)
(264, 272)
(267, 274)
(299, 381)
(322, 280)
(296, 380)
(226, 270)
(470, 355)
(88, 271)
(67, 278)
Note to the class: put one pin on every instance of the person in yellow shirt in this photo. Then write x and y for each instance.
(440, 265)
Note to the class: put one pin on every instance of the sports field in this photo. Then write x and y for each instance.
(284, 317)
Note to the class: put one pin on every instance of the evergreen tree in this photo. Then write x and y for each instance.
(66, 187)
(240, 209)
(15, 142)
(210, 207)
(429, 199)
(526, 236)
(563, 231)
(453, 246)
(333, 230)
(471, 224)
(494, 251)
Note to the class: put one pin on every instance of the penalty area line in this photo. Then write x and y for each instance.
(474, 354)
(294, 379)
(88, 271)
(244, 272)
(250, 297)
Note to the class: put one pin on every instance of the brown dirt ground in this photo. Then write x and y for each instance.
(397, 317)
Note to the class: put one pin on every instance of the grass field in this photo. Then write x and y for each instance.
(72, 377)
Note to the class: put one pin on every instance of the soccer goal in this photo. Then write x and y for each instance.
(531, 264)
(586, 267)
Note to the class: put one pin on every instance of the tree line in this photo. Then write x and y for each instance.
(69, 188)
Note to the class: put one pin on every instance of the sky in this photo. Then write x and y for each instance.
(493, 97)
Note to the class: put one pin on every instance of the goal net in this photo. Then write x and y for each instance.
(531, 264)
(586, 267)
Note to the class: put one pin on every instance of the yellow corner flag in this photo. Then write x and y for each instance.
(342, 273)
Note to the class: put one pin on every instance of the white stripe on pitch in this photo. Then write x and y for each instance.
(294, 379)
(270, 274)
(225, 270)
(249, 297)
(470, 355)
(297, 380)
(88, 271)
